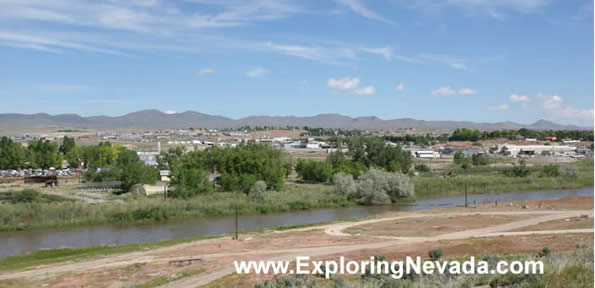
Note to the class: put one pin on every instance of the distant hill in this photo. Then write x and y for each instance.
(155, 119)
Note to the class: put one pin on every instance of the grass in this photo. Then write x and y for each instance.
(142, 209)
(485, 180)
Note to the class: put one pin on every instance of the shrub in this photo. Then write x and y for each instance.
(518, 170)
(550, 170)
(545, 252)
(570, 172)
(25, 196)
(258, 191)
(435, 254)
(422, 168)
(310, 170)
(345, 185)
(374, 187)
(480, 159)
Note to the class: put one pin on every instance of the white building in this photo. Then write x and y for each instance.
(516, 150)
(426, 154)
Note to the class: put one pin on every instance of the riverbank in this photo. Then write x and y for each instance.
(146, 264)
(296, 197)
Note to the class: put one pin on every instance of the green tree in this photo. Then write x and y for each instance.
(67, 145)
(43, 154)
(12, 155)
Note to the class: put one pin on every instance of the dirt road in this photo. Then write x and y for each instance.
(158, 256)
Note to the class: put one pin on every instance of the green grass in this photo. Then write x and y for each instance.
(142, 209)
(486, 180)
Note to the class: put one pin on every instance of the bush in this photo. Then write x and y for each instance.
(480, 159)
(550, 170)
(345, 185)
(545, 252)
(310, 170)
(374, 187)
(25, 196)
(422, 168)
(518, 170)
(570, 172)
(435, 254)
(258, 191)
(191, 182)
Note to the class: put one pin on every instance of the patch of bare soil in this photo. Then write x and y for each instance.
(582, 222)
(431, 226)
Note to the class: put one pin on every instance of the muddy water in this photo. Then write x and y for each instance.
(20, 242)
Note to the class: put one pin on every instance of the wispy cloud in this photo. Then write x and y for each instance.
(345, 84)
(467, 91)
(444, 91)
(400, 87)
(257, 72)
(368, 90)
(328, 54)
(454, 62)
(154, 22)
(360, 8)
(206, 71)
(350, 85)
(500, 107)
(497, 9)
(555, 108)
(514, 98)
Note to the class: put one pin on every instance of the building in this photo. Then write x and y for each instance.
(547, 150)
(426, 154)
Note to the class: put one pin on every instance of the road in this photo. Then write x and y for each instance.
(288, 254)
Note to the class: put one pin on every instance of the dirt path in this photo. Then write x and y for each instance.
(153, 256)
(336, 230)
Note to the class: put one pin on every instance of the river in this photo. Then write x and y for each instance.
(20, 242)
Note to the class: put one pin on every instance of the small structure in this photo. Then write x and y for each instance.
(147, 190)
(50, 180)
(426, 154)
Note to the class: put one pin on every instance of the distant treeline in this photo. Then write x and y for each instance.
(465, 134)
(104, 162)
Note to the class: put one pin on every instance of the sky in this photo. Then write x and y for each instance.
(472, 60)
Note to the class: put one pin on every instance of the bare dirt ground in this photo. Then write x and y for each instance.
(328, 242)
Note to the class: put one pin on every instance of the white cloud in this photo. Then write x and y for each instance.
(368, 90)
(169, 112)
(514, 98)
(467, 91)
(330, 54)
(206, 71)
(358, 7)
(500, 107)
(258, 72)
(386, 52)
(521, 5)
(344, 84)
(444, 91)
(400, 87)
(555, 107)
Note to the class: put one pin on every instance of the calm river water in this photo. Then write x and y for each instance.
(20, 242)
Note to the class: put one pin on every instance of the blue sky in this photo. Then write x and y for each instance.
(478, 60)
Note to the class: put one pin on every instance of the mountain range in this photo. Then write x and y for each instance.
(155, 119)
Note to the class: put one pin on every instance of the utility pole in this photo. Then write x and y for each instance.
(236, 221)
(465, 191)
